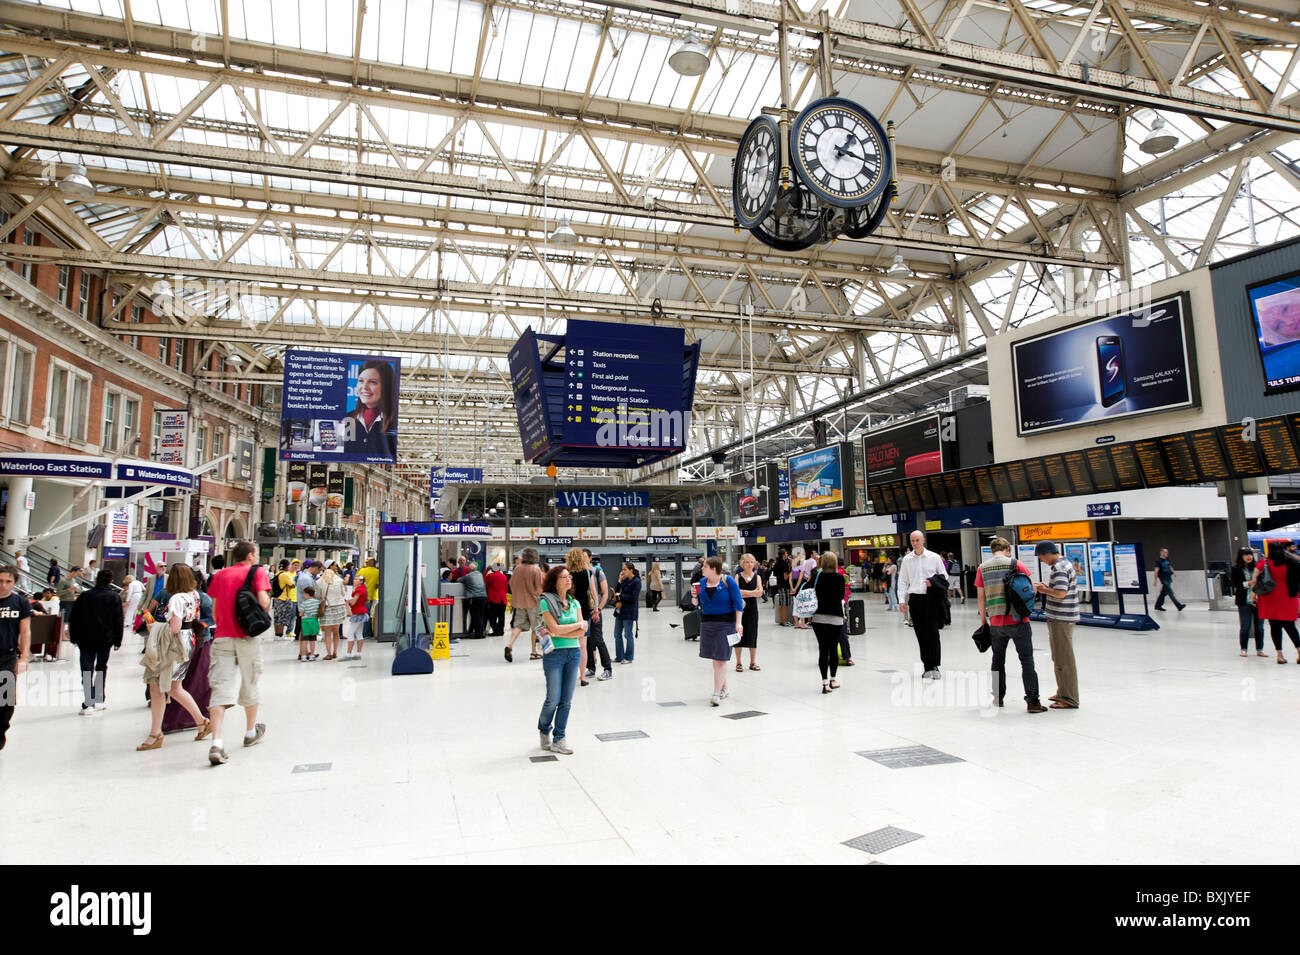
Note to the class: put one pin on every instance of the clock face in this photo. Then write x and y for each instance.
(754, 178)
(841, 152)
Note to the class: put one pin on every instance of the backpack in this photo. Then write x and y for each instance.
(252, 619)
(276, 589)
(1020, 593)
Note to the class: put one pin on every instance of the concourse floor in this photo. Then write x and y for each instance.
(1182, 752)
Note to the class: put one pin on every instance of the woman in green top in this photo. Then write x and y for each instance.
(561, 617)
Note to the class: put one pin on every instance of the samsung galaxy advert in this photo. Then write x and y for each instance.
(1134, 363)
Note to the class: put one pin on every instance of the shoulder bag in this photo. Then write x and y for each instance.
(805, 601)
(252, 619)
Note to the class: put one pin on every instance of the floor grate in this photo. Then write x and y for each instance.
(312, 767)
(744, 715)
(625, 734)
(905, 757)
(882, 840)
(544, 759)
(673, 703)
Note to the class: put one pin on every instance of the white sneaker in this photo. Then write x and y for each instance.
(87, 711)
(724, 694)
(101, 706)
(715, 699)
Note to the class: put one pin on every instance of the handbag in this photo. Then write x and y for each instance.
(805, 601)
(252, 619)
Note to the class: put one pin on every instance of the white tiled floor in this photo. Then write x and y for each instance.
(1181, 753)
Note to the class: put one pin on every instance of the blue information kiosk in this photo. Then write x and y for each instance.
(411, 592)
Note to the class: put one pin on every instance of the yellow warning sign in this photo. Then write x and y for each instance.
(441, 649)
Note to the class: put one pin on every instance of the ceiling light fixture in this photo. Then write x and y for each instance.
(564, 234)
(898, 267)
(75, 185)
(1159, 140)
(690, 57)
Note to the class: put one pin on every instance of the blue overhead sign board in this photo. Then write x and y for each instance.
(441, 477)
(157, 474)
(604, 498)
(50, 465)
(530, 403)
(623, 386)
(438, 529)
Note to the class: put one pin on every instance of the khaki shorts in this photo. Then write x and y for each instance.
(525, 618)
(235, 669)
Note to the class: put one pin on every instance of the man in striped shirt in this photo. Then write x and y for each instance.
(1062, 614)
(1004, 626)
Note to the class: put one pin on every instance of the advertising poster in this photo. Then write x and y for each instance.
(173, 438)
(903, 451)
(440, 477)
(339, 407)
(1127, 574)
(1133, 363)
(317, 484)
(117, 536)
(783, 492)
(334, 490)
(296, 482)
(1101, 568)
(1275, 307)
(268, 474)
(1077, 555)
(244, 460)
(817, 481)
(754, 503)
(1025, 554)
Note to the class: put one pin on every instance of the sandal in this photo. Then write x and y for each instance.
(205, 730)
(156, 744)
(755, 666)
(1058, 705)
(834, 685)
(739, 668)
(534, 656)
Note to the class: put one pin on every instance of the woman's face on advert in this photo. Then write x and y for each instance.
(370, 388)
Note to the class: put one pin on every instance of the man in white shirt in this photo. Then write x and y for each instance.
(918, 566)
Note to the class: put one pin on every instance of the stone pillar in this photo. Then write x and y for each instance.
(18, 519)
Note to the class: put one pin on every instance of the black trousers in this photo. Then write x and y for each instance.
(477, 606)
(828, 641)
(8, 692)
(927, 633)
(496, 618)
(845, 650)
(596, 643)
(1277, 627)
(94, 675)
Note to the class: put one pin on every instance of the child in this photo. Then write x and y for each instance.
(308, 607)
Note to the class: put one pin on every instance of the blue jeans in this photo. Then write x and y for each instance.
(560, 667)
(624, 651)
(1248, 616)
(1167, 590)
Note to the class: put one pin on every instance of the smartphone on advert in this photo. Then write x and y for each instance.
(1110, 369)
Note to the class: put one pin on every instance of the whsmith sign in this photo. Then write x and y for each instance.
(604, 498)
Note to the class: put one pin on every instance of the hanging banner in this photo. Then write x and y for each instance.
(349, 492)
(334, 490)
(339, 407)
(296, 484)
(117, 539)
(268, 474)
(244, 460)
(439, 478)
(173, 438)
(317, 484)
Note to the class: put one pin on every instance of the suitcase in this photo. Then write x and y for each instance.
(857, 618)
(691, 625)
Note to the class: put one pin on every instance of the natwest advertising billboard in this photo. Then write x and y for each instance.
(905, 450)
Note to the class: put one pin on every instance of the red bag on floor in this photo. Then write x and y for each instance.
(196, 684)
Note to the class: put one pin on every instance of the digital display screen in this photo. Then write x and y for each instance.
(1278, 445)
(1036, 470)
(1209, 455)
(1019, 477)
(1128, 473)
(1057, 474)
(1076, 466)
(1244, 457)
(984, 483)
(1275, 308)
(926, 492)
(1103, 473)
(952, 480)
(970, 488)
(1182, 463)
(886, 505)
(1152, 461)
(877, 495)
(1001, 482)
(940, 491)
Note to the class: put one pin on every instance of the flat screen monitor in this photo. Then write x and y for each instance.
(1210, 459)
(984, 483)
(1151, 459)
(1182, 462)
(1001, 483)
(956, 492)
(940, 491)
(1275, 310)
(1128, 473)
(1036, 469)
(927, 493)
(1244, 457)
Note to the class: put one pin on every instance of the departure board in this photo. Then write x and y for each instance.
(956, 493)
(1057, 474)
(1279, 445)
(940, 492)
(984, 481)
(1128, 474)
(1020, 489)
(926, 492)
(877, 494)
(1155, 473)
(1210, 459)
(1244, 457)
(1038, 482)
(970, 489)
(1182, 462)
(914, 502)
(1001, 483)
(1076, 467)
(1103, 472)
